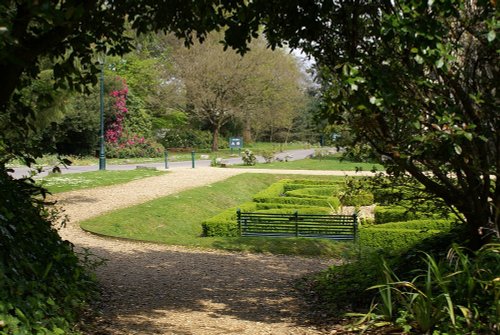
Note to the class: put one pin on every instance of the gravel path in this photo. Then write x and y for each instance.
(156, 289)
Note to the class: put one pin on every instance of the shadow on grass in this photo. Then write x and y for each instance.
(287, 246)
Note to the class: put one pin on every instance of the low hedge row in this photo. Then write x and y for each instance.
(313, 192)
(422, 224)
(270, 205)
(325, 202)
(275, 190)
(362, 199)
(385, 214)
(224, 223)
(393, 240)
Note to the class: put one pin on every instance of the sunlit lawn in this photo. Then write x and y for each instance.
(56, 183)
(177, 219)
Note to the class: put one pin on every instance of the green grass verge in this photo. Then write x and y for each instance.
(52, 160)
(176, 220)
(57, 183)
(315, 164)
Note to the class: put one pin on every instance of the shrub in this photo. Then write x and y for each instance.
(43, 286)
(224, 224)
(248, 158)
(422, 224)
(458, 294)
(188, 138)
(131, 146)
(360, 199)
(313, 192)
(274, 190)
(392, 240)
(384, 214)
(267, 155)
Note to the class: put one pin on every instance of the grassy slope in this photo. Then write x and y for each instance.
(177, 219)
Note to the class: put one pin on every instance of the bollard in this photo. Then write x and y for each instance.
(166, 159)
(192, 159)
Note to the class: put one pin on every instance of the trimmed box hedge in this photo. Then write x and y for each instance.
(314, 192)
(385, 214)
(421, 224)
(224, 223)
(393, 240)
(362, 199)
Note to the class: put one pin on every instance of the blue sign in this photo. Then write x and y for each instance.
(236, 142)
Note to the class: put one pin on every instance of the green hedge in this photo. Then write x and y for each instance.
(393, 240)
(274, 190)
(270, 205)
(299, 201)
(313, 192)
(224, 224)
(384, 214)
(421, 224)
(362, 199)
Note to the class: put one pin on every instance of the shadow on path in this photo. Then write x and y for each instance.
(155, 291)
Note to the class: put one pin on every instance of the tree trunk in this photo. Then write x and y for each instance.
(215, 138)
(247, 132)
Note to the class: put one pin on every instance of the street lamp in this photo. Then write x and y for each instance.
(102, 154)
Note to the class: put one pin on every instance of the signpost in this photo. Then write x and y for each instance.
(236, 143)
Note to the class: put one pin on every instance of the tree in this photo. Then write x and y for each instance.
(416, 81)
(259, 89)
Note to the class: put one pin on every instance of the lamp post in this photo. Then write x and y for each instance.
(102, 154)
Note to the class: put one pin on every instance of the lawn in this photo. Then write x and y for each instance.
(57, 183)
(176, 220)
(330, 163)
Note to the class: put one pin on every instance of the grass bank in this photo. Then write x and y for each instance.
(176, 220)
(57, 183)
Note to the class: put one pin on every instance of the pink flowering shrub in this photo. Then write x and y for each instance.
(119, 143)
(114, 126)
(132, 145)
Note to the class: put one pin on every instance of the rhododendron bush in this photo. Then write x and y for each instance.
(121, 143)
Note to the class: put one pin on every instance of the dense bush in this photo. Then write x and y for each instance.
(248, 158)
(359, 199)
(344, 287)
(43, 287)
(130, 146)
(189, 138)
(456, 294)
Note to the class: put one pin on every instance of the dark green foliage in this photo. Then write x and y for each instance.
(421, 224)
(295, 200)
(393, 240)
(189, 138)
(224, 224)
(360, 199)
(384, 214)
(313, 192)
(43, 288)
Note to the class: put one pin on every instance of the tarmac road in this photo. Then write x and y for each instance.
(20, 172)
